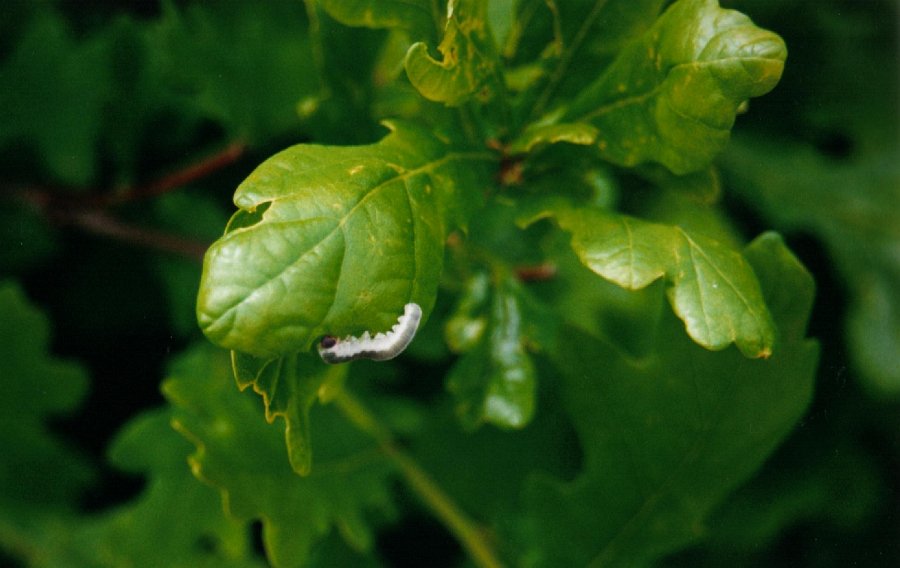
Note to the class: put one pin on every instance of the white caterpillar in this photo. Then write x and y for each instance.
(381, 347)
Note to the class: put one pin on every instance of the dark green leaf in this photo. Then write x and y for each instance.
(703, 186)
(26, 238)
(138, 95)
(175, 508)
(838, 488)
(855, 209)
(485, 470)
(194, 218)
(667, 436)
(335, 240)
(711, 286)
(628, 318)
(245, 458)
(246, 68)
(349, 64)
(36, 387)
(468, 57)
(672, 204)
(671, 97)
(564, 46)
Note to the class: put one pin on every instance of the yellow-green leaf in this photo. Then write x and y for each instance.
(671, 96)
(711, 286)
(335, 240)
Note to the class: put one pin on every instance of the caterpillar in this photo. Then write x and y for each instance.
(380, 347)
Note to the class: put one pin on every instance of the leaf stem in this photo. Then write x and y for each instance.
(568, 53)
(470, 535)
(100, 223)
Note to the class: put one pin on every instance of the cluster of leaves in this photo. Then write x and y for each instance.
(605, 363)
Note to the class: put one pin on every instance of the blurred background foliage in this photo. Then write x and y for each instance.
(100, 99)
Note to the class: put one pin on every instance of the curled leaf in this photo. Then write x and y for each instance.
(668, 436)
(467, 60)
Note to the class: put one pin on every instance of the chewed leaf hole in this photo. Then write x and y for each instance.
(244, 218)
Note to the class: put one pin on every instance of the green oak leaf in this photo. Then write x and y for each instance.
(244, 457)
(577, 39)
(253, 91)
(52, 94)
(668, 435)
(174, 508)
(839, 489)
(469, 59)
(37, 470)
(711, 287)
(335, 240)
(495, 381)
(671, 96)
(289, 385)
(485, 470)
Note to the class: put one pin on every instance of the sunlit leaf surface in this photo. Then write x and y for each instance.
(711, 286)
(672, 96)
(334, 240)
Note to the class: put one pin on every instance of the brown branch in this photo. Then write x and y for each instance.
(174, 180)
(89, 213)
(536, 273)
(99, 222)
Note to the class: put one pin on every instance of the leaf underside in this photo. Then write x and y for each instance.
(467, 63)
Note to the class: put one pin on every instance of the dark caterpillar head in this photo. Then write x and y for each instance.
(329, 341)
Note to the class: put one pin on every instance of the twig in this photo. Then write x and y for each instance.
(174, 180)
(563, 65)
(470, 535)
(90, 213)
(101, 223)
